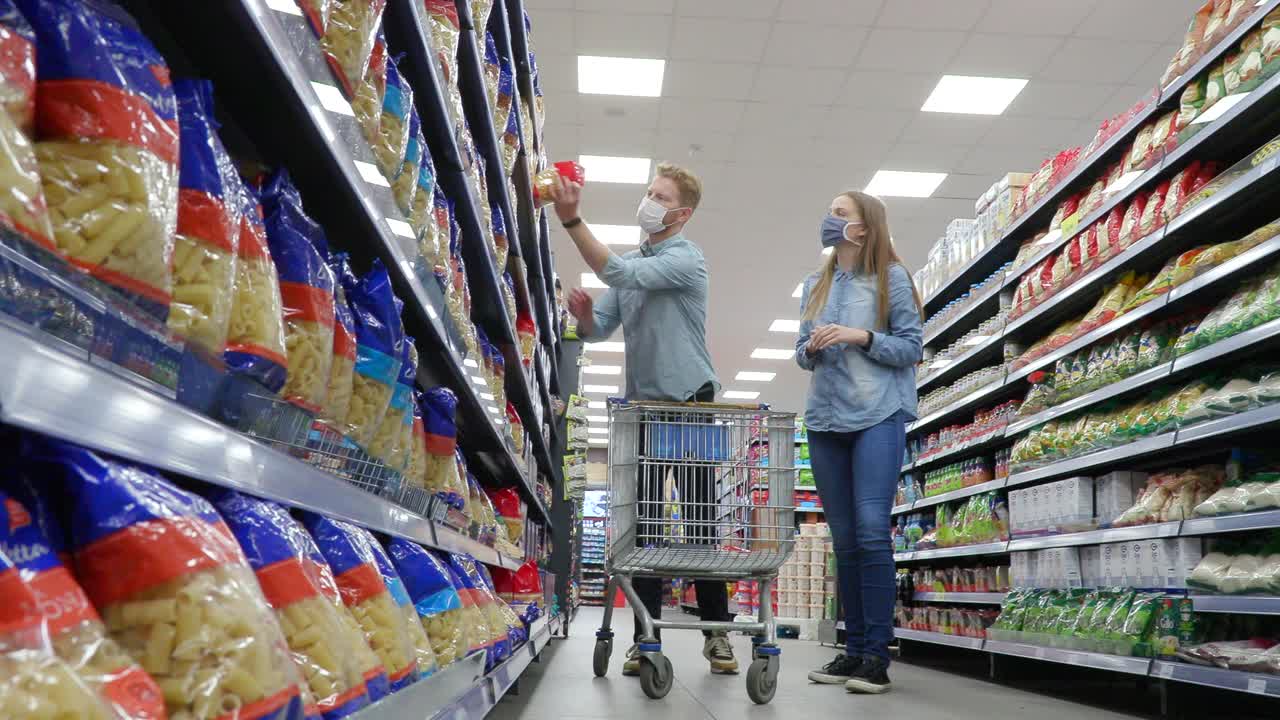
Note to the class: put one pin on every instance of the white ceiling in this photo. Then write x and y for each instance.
(781, 104)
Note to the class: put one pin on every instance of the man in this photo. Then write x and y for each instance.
(658, 294)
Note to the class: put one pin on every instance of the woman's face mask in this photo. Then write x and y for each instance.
(835, 231)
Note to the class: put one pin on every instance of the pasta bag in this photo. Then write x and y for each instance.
(434, 598)
(527, 332)
(511, 511)
(482, 512)
(174, 589)
(306, 290)
(417, 634)
(500, 647)
(508, 290)
(350, 555)
(420, 208)
(370, 92)
(18, 73)
(438, 406)
(500, 244)
(442, 24)
(204, 251)
(475, 626)
(34, 682)
(255, 338)
(107, 125)
(22, 206)
(391, 441)
(317, 12)
(405, 184)
(349, 36)
(415, 473)
(516, 631)
(322, 646)
(77, 634)
(337, 402)
(390, 147)
(379, 344)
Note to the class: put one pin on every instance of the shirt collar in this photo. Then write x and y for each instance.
(648, 250)
(842, 274)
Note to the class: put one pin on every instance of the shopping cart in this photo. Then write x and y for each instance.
(695, 493)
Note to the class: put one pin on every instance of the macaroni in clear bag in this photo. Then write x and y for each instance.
(255, 338)
(434, 598)
(379, 345)
(417, 634)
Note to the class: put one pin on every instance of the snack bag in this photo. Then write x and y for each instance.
(501, 247)
(76, 631)
(1270, 40)
(1152, 217)
(390, 443)
(337, 403)
(306, 288)
(1129, 225)
(208, 234)
(107, 124)
(189, 607)
(390, 148)
(516, 631)
(323, 647)
(34, 683)
(23, 206)
(417, 636)
(405, 184)
(511, 510)
(255, 338)
(349, 36)
(434, 597)
(499, 643)
(349, 552)
(379, 348)
(438, 406)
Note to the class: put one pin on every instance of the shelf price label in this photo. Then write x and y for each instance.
(1258, 686)
(1166, 670)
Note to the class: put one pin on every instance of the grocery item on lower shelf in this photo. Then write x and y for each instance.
(986, 425)
(961, 622)
(980, 579)
(979, 519)
(1240, 566)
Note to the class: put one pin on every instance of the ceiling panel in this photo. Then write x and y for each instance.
(1004, 55)
(866, 127)
(932, 14)
(558, 73)
(959, 130)
(816, 86)
(680, 146)
(924, 157)
(887, 90)
(810, 45)
(910, 50)
(719, 40)
(839, 12)
(537, 7)
(618, 114)
(1086, 59)
(552, 31)
(646, 36)
(1031, 132)
(782, 120)
(689, 114)
(1149, 72)
(656, 7)
(1162, 20)
(1060, 100)
(710, 80)
(605, 139)
(1036, 17)
(737, 9)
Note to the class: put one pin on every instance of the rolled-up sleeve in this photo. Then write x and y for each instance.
(803, 358)
(678, 268)
(901, 344)
(606, 317)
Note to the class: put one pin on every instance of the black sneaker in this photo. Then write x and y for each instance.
(837, 671)
(870, 677)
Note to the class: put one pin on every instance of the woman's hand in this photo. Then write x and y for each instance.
(828, 335)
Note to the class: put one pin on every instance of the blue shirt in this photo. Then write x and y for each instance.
(658, 294)
(853, 388)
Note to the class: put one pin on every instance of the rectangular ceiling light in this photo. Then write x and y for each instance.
(596, 404)
(798, 292)
(970, 95)
(741, 395)
(628, 235)
(606, 389)
(785, 326)
(589, 280)
(637, 77)
(598, 441)
(900, 183)
(606, 347)
(598, 418)
(602, 369)
(597, 431)
(751, 376)
(610, 169)
(772, 354)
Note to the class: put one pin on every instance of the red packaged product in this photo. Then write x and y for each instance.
(1129, 223)
(1152, 215)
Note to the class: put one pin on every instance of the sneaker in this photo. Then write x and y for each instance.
(717, 650)
(631, 667)
(837, 671)
(871, 677)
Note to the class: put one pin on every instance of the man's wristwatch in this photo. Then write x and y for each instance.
(570, 224)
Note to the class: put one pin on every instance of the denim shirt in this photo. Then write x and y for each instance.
(659, 297)
(853, 388)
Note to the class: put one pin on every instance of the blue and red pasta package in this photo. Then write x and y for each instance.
(485, 602)
(379, 348)
(350, 554)
(22, 202)
(391, 145)
(439, 406)
(325, 647)
(415, 633)
(173, 587)
(391, 442)
(338, 397)
(405, 184)
(108, 145)
(255, 338)
(434, 598)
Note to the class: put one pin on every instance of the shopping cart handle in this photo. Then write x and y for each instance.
(672, 403)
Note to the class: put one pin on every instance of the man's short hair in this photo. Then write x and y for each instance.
(687, 183)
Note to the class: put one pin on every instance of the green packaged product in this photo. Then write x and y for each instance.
(1012, 611)
(1084, 620)
(1153, 346)
(1126, 362)
(1118, 614)
(1139, 623)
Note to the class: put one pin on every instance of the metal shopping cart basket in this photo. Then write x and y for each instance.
(695, 493)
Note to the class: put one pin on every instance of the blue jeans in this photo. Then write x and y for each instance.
(857, 478)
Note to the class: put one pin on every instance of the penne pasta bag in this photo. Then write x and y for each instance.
(322, 645)
(499, 641)
(434, 598)
(350, 555)
(306, 290)
(391, 441)
(208, 234)
(516, 630)
(482, 513)
(337, 402)
(76, 633)
(107, 131)
(415, 473)
(417, 634)
(405, 185)
(501, 249)
(390, 147)
(34, 682)
(474, 626)
(255, 338)
(18, 72)
(439, 406)
(317, 13)
(174, 589)
(379, 347)
(349, 36)
(370, 92)
(22, 203)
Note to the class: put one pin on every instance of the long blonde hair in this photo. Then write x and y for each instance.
(877, 257)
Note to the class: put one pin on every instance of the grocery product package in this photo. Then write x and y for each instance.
(483, 516)
(34, 682)
(511, 511)
(379, 348)
(189, 608)
(208, 231)
(349, 37)
(434, 597)
(370, 92)
(501, 248)
(416, 634)
(350, 554)
(422, 205)
(255, 337)
(390, 443)
(405, 183)
(107, 129)
(517, 633)
(299, 249)
(29, 534)
(317, 13)
(322, 645)
(521, 589)
(23, 204)
(390, 148)
(475, 626)
(438, 406)
(1192, 45)
(415, 473)
(486, 603)
(337, 398)
(527, 332)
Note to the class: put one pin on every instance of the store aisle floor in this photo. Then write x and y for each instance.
(561, 687)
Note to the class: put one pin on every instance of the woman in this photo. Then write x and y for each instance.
(860, 335)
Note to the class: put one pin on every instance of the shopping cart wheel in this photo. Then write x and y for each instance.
(600, 658)
(656, 682)
(762, 682)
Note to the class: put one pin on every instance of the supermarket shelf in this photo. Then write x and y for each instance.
(1097, 537)
(1252, 683)
(809, 509)
(992, 548)
(958, 494)
(995, 439)
(483, 694)
(1236, 604)
(977, 397)
(899, 509)
(1175, 87)
(975, 598)
(1115, 663)
(443, 689)
(1096, 459)
(937, 638)
(907, 467)
(1133, 382)
(979, 355)
(1264, 520)
(977, 307)
(1242, 422)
